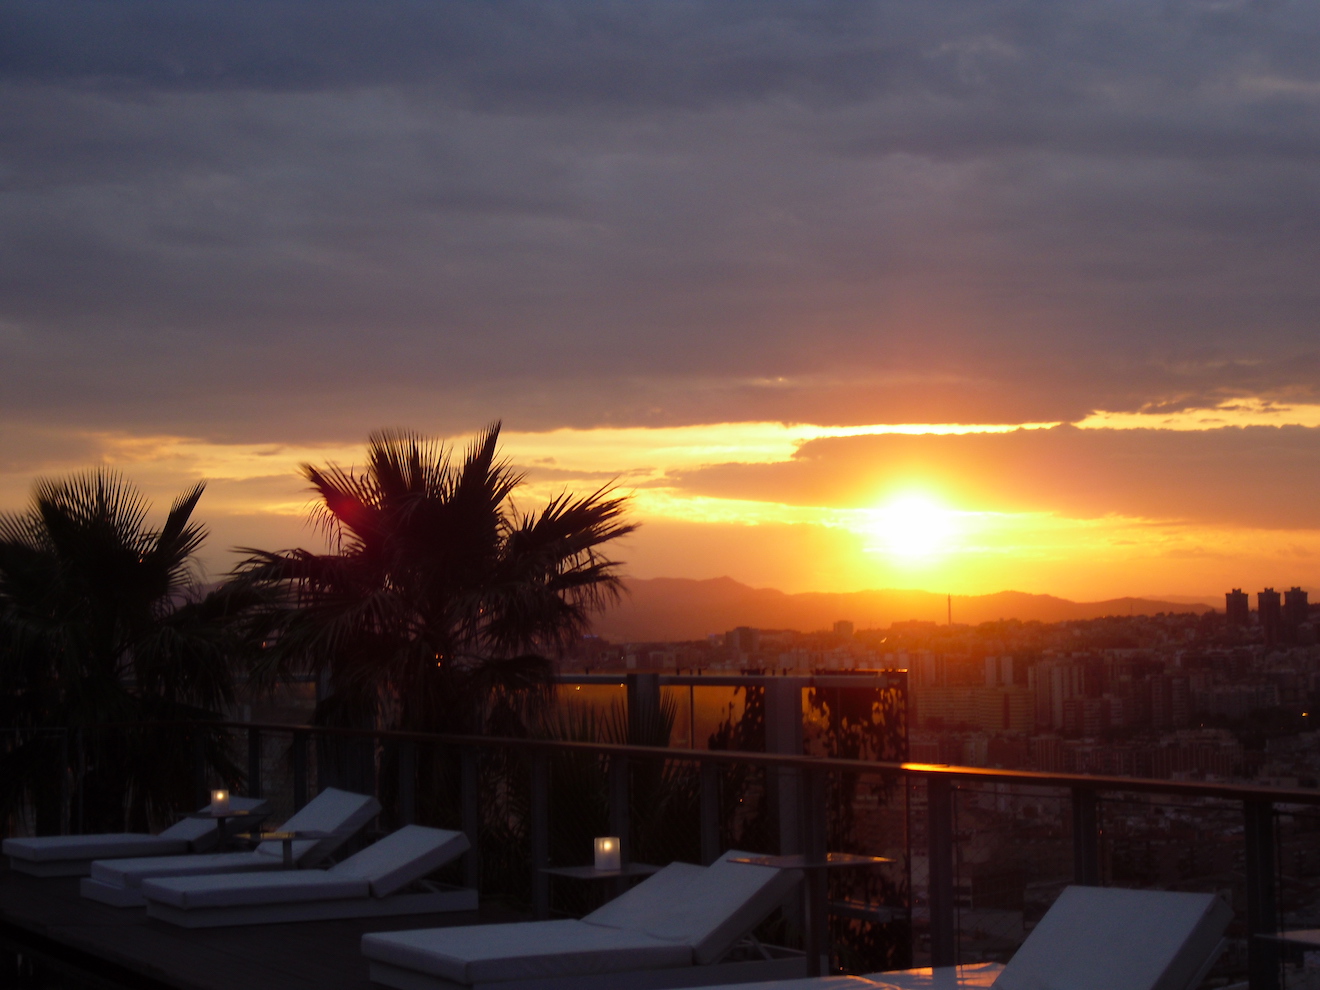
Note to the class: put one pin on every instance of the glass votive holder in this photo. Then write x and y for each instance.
(608, 856)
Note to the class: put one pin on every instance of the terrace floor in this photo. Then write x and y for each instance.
(320, 954)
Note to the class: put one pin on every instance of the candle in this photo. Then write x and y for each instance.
(219, 802)
(607, 853)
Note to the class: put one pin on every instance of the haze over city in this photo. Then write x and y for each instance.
(848, 296)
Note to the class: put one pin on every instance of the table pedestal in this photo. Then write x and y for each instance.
(815, 895)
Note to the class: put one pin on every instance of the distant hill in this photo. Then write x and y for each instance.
(681, 608)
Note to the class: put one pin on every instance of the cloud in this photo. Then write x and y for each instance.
(1253, 477)
(292, 221)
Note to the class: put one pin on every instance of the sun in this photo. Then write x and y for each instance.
(913, 526)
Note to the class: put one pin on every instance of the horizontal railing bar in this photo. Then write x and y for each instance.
(848, 679)
(1026, 778)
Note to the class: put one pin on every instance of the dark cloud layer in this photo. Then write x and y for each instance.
(259, 219)
(1257, 477)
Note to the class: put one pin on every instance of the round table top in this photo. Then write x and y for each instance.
(282, 836)
(798, 861)
(232, 813)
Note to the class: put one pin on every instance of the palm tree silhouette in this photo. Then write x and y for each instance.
(102, 621)
(442, 603)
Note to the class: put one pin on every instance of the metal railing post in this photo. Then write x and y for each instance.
(299, 770)
(80, 793)
(1262, 911)
(66, 788)
(407, 782)
(783, 734)
(540, 834)
(1086, 837)
(815, 825)
(254, 763)
(471, 811)
(200, 790)
(710, 812)
(619, 818)
(939, 828)
(643, 698)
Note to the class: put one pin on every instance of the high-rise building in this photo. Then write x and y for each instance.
(1237, 606)
(742, 642)
(1269, 612)
(1170, 701)
(999, 671)
(844, 628)
(1296, 610)
(1055, 682)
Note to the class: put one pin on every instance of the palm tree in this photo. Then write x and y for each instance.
(101, 621)
(442, 603)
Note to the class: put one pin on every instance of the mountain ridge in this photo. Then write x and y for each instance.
(660, 609)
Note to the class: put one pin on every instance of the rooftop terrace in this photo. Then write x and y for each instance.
(979, 854)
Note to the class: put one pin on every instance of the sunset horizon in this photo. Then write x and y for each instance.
(804, 507)
(841, 296)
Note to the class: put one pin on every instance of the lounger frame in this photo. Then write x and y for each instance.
(128, 896)
(713, 974)
(448, 899)
(82, 867)
(147, 845)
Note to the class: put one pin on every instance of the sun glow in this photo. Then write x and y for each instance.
(913, 526)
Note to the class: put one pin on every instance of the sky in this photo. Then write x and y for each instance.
(943, 295)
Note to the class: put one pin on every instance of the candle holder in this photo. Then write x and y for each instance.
(219, 802)
(608, 854)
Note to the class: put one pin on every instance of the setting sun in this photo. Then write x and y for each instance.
(913, 526)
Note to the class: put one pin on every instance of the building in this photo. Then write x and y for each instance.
(1270, 614)
(1237, 607)
(1296, 612)
(1001, 709)
(1054, 682)
(998, 672)
(1170, 701)
(742, 642)
(844, 629)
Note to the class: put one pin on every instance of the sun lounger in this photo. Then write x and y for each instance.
(72, 855)
(369, 884)
(1092, 938)
(673, 929)
(337, 814)
(1099, 938)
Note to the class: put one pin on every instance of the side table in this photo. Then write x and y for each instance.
(815, 899)
(223, 817)
(286, 838)
(590, 873)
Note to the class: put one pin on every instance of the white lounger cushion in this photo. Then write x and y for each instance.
(401, 857)
(341, 813)
(1093, 938)
(649, 906)
(246, 889)
(338, 812)
(682, 915)
(54, 848)
(380, 870)
(1099, 938)
(188, 833)
(131, 872)
(706, 908)
(524, 950)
